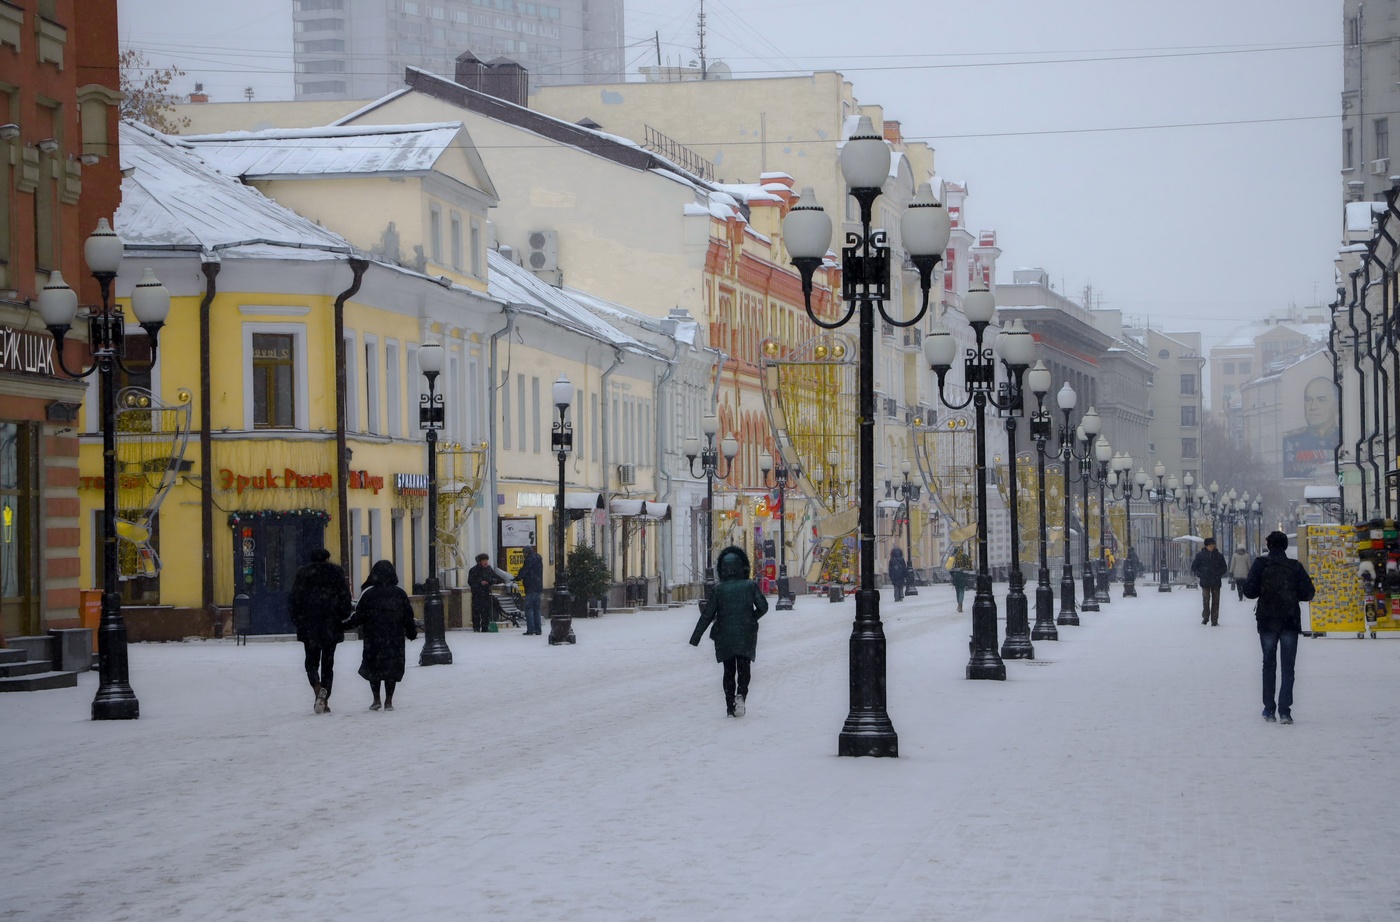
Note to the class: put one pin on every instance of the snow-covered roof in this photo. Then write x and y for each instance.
(521, 289)
(331, 151)
(171, 197)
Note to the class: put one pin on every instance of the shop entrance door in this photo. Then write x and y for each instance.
(19, 495)
(267, 550)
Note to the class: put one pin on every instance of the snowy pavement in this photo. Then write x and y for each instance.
(1124, 774)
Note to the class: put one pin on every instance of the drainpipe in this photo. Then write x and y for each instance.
(665, 538)
(493, 404)
(342, 467)
(607, 458)
(210, 268)
(1337, 449)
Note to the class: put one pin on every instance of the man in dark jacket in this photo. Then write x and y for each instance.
(1210, 567)
(320, 600)
(1280, 583)
(734, 607)
(531, 578)
(480, 579)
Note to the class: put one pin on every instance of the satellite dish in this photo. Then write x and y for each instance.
(719, 71)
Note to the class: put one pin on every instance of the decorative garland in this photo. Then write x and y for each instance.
(273, 515)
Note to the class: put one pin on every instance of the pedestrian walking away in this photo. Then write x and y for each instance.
(899, 573)
(958, 571)
(319, 602)
(531, 578)
(1280, 583)
(1239, 569)
(732, 614)
(385, 619)
(1209, 568)
(480, 579)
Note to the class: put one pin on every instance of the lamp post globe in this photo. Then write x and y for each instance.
(865, 166)
(562, 603)
(432, 418)
(103, 251)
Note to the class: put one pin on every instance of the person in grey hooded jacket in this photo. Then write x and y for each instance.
(733, 610)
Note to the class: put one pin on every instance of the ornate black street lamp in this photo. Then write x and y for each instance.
(1088, 428)
(1211, 507)
(1128, 487)
(1015, 344)
(1103, 453)
(1038, 380)
(1016, 347)
(58, 306)
(431, 417)
(865, 263)
(766, 463)
(1190, 499)
(1256, 515)
(1161, 497)
(561, 441)
(908, 492)
(709, 469)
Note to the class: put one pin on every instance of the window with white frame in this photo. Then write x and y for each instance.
(456, 224)
(352, 384)
(275, 390)
(371, 383)
(475, 243)
(393, 393)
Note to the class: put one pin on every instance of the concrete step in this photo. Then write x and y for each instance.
(39, 681)
(28, 667)
(12, 655)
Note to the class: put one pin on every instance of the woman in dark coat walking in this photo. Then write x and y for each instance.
(899, 573)
(385, 619)
(734, 609)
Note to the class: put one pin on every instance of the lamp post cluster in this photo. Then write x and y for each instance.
(431, 417)
(1015, 347)
(1103, 454)
(561, 442)
(908, 492)
(1128, 486)
(781, 472)
(58, 306)
(1162, 496)
(865, 264)
(1075, 447)
(708, 455)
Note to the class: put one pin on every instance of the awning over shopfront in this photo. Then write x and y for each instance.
(585, 501)
(640, 508)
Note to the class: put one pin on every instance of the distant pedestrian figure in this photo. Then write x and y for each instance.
(385, 619)
(899, 573)
(531, 578)
(1280, 583)
(734, 610)
(1239, 569)
(480, 579)
(320, 600)
(1209, 567)
(960, 575)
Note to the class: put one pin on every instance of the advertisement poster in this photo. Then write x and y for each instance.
(1338, 606)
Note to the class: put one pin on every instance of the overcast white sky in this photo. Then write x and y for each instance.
(1180, 158)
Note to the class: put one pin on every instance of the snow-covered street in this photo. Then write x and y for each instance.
(1123, 774)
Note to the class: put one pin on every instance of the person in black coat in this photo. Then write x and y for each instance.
(320, 600)
(1280, 583)
(385, 619)
(734, 609)
(1209, 567)
(531, 578)
(480, 579)
(899, 572)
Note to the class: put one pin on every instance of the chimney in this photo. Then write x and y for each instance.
(469, 71)
(199, 95)
(505, 79)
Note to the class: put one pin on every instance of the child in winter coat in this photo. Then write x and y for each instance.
(734, 610)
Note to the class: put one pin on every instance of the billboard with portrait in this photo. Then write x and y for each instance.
(1308, 450)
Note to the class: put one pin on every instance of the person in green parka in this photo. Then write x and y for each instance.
(734, 609)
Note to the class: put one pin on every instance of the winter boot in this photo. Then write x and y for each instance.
(321, 695)
(739, 706)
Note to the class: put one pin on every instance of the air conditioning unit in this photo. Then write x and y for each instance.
(1380, 167)
(543, 252)
(627, 474)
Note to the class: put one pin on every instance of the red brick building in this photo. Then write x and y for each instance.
(59, 173)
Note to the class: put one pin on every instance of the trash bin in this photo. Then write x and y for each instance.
(242, 617)
(835, 593)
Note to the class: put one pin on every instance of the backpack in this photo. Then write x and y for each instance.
(1277, 585)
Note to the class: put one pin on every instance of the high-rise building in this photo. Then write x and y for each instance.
(358, 49)
(1370, 99)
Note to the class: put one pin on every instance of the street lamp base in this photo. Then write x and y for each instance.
(784, 603)
(1068, 613)
(435, 651)
(1017, 644)
(868, 730)
(561, 630)
(984, 662)
(1044, 628)
(116, 702)
(910, 590)
(1129, 590)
